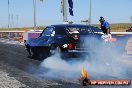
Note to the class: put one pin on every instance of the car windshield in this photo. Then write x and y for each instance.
(47, 31)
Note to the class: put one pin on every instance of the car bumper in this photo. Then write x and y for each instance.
(78, 51)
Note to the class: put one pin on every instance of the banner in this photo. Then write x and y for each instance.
(70, 7)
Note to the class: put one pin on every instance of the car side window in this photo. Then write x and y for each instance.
(96, 29)
(60, 31)
(85, 30)
(90, 30)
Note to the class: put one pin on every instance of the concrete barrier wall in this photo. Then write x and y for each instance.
(19, 35)
(14, 35)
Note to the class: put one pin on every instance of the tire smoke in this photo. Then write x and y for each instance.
(102, 62)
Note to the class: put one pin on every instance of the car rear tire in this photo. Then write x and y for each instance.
(59, 51)
(55, 50)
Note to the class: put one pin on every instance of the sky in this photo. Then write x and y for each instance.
(49, 12)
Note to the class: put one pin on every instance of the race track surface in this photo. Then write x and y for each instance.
(15, 71)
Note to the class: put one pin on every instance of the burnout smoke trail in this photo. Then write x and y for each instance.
(101, 62)
(59, 68)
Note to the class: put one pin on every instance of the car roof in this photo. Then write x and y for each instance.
(74, 25)
(78, 25)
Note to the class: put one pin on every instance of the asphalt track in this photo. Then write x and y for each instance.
(14, 61)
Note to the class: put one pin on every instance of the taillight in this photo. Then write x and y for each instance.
(70, 46)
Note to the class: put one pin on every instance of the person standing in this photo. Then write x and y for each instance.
(105, 26)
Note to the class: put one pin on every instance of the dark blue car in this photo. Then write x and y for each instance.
(65, 39)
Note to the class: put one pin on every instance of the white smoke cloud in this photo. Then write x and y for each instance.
(60, 68)
(101, 62)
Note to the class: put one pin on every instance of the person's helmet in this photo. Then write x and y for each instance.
(101, 19)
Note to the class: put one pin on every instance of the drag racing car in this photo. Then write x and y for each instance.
(64, 39)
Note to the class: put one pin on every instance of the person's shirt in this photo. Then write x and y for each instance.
(105, 25)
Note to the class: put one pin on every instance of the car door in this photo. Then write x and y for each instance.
(43, 39)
